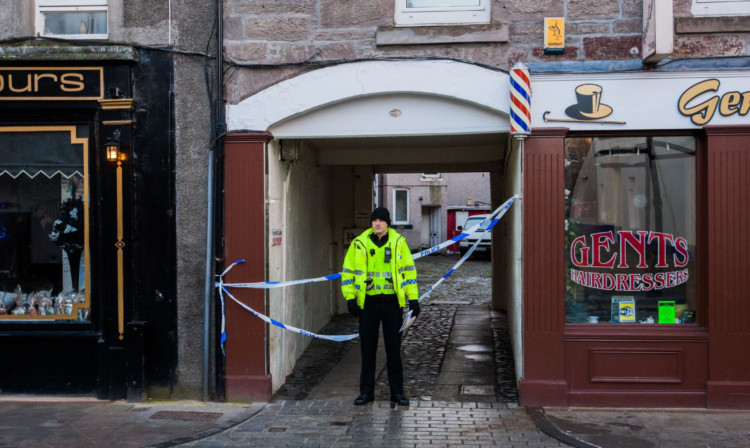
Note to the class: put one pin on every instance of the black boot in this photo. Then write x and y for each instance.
(400, 399)
(363, 399)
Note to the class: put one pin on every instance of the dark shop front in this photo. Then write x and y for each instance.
(86, 227)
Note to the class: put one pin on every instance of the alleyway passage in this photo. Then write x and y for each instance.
(461, 395)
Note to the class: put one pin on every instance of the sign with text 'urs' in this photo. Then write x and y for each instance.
(51, 83)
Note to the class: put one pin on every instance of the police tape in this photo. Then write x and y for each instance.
(464, 258)
(464, 234)
(329, 337)
(346, 337)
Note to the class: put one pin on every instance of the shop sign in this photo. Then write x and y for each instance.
(554, 35)
(602, 250)
(51, 83)
(686, 100)
(701, 113)
(658, 30)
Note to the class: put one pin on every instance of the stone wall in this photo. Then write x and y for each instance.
(277, 32)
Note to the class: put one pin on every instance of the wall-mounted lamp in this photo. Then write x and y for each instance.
(112, 147)
(421, 198)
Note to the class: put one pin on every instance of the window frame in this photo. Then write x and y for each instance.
(698, 254)
(447, 15)
(42, 7)
(85, 141)
(714, 8)
(431, 177)
(395, 220)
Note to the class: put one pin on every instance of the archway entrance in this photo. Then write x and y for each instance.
(328, 133)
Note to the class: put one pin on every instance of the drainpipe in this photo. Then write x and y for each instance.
(217, 142)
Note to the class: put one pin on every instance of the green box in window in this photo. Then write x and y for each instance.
(666, 311)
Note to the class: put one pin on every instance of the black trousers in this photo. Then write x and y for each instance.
(381, 308)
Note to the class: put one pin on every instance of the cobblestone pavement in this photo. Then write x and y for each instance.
(468, 285)
(291, 421)
(337, 423)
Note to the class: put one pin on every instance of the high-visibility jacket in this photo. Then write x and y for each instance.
(365, 261)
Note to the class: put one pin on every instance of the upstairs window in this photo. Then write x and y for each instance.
(431, 177)
(441, 12)
(72, 19)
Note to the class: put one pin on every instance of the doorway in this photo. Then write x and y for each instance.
(430, 227)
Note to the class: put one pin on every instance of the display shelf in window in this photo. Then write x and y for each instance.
(44, 249)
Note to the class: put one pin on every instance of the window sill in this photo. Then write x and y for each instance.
(431, 35)
(52, 51)
(576, 332)
(695, 25)
(402, 226)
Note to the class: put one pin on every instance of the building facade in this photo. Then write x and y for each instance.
(443, 202)
(105, 129)
(626, 235)
(624, 183)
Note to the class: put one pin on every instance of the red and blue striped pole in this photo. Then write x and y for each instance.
(520, 101)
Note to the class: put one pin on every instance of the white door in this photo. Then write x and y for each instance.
(434, 226)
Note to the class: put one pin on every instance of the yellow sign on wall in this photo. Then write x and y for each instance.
(554, 35)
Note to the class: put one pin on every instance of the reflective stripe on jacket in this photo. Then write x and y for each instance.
(359, 265)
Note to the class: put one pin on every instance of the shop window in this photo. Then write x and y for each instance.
(441, 12)
(44, 224)
(80, 19)
(630, 230)
(720, 7)
(400, 206)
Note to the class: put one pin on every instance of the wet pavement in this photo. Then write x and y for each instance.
(468, 286)
(459, 375)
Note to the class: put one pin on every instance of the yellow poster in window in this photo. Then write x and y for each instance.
(554, 34)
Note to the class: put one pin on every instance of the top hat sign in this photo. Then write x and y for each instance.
(589, 106)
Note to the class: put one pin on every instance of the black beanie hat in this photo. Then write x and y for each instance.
(382, 213)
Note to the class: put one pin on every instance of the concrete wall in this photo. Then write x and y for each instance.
(300, 244)
(16, 18)
(507, 239)
(190, 31)
(514, 291)
(352, 198)
(448, 190)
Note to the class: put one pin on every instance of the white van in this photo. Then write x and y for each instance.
(485, 246)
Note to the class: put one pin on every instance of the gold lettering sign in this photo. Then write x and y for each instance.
(51, 83)
(701, 112)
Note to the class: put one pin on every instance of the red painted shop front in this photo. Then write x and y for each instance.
(672, 336)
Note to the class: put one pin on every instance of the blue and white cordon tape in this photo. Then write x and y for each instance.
(493, 218)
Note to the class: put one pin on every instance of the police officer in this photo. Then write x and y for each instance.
(378, 277)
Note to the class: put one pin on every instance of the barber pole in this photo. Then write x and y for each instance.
(520, 101)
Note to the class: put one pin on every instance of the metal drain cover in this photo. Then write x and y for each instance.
(184, 416)
(478, 390)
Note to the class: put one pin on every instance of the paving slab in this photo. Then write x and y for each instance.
(61, 422)
(647, 427)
